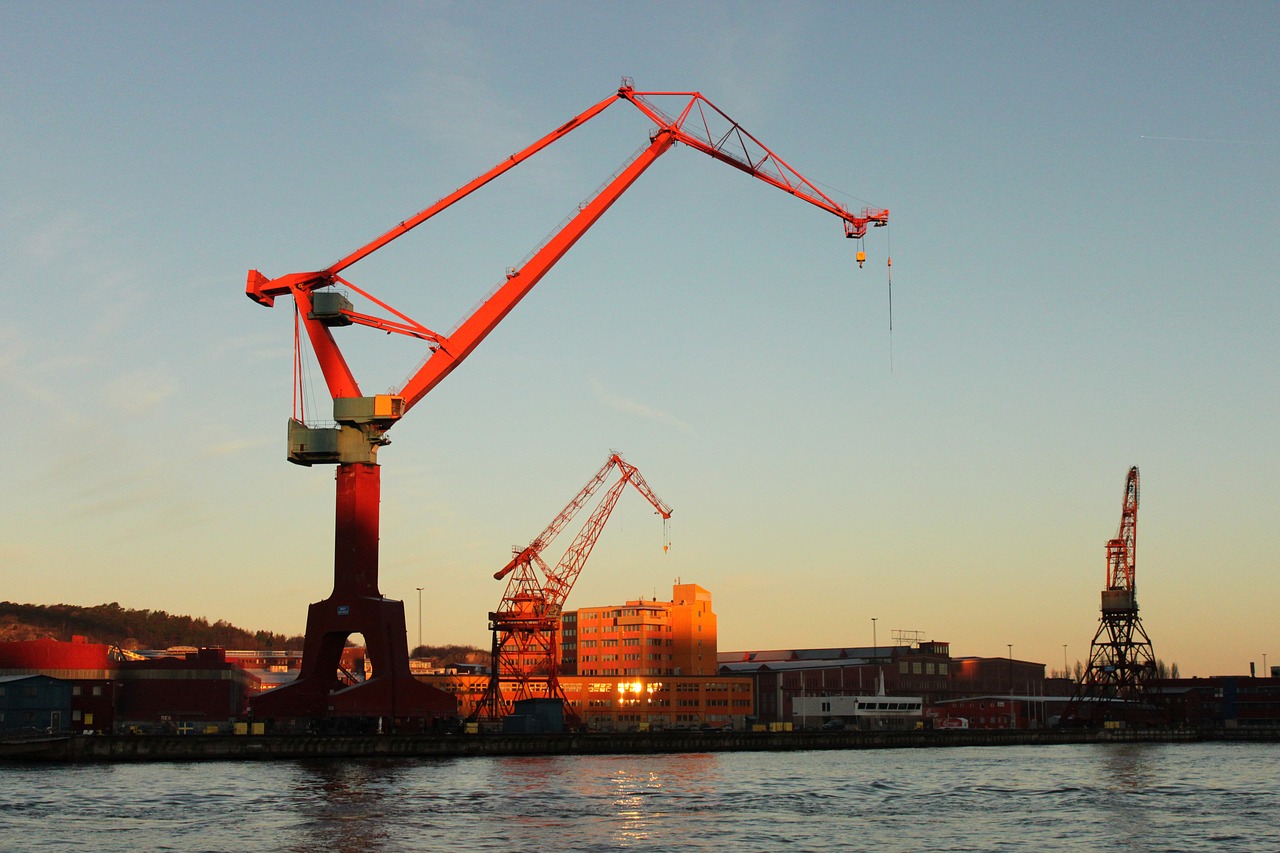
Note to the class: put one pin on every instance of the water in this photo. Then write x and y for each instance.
(1132, 797)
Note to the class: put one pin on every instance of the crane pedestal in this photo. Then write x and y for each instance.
(355, 607)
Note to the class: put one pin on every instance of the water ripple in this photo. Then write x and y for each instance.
(1147, 798)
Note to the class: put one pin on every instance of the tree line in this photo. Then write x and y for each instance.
(131, 629)
(127, 628)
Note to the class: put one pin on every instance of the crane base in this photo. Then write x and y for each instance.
(319, 691)
(393, 697)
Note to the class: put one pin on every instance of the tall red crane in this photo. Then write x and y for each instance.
(1121, 659)
(356, 605)
(526, 625)
(1122, 550)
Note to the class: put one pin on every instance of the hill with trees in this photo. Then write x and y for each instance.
(155, 629)
(130, 629)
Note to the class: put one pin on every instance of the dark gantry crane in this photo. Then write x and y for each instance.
(356, 605)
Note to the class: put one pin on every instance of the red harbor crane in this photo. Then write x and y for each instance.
(1121, 659)
(526, 625)
(356, 605)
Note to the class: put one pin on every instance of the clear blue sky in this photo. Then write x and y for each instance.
(1084, 209)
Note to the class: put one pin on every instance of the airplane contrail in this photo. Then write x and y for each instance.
(1198, 139)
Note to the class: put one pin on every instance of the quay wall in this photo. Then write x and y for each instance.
(128, 748)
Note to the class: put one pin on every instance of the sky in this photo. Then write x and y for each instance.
(1083, 203)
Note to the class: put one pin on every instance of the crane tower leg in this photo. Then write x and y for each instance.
(355, 607)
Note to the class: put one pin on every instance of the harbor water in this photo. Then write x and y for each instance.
(1126, 796)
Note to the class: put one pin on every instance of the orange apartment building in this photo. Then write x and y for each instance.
(642, 638)
(642, 665)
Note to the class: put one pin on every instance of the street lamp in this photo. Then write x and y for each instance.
(420, 616)
(1066, 672)
(1013, 713)
(875, 655)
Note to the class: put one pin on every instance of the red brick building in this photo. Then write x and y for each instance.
(113, 691)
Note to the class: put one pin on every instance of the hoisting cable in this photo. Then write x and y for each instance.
(303, 374)
(297, 366)
(888, 246)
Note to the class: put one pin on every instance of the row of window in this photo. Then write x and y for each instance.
(31, 690)
(632, 656)
(608, 644)
(27, 717)
(888, 706)
(28, 690)
(662, 703)
(661, 718)
(916, 667)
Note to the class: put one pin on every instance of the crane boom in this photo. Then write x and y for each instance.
(631, 474)
(735, 147)
(264, 292)
(557, 524)
(520, 281)
(560, 580)
(1122, 550)
(694, 125)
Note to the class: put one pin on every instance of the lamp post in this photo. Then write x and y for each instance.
(1066, 672)
(1013, 714)
(420, 616)
(875, 654)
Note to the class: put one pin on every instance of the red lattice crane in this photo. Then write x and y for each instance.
(1122, 550)
(526, 625)
(1121, 659)
(356, 605)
